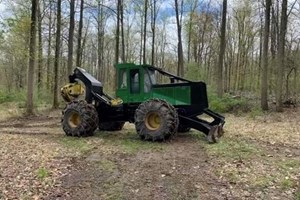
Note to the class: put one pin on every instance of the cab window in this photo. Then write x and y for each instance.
(123, 79)
(134, 81)
(149, 78)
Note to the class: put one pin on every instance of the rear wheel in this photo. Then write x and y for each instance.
(111, 126)
(79, 119)
(156, 120)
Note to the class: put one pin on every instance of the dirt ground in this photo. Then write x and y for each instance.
(258, 158)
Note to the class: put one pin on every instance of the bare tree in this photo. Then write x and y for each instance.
(57, 56)
(154, 14)
(190, 24)
(100, 41)
(220, 88)
(281, 56)
(145, 30)
(32, 57)
(79, 47)
(40, 46)
(118, 33)
(71, 36)
(179, 13)
(49, 46)
(264, 77)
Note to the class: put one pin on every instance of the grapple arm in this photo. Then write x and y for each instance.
(92, 85)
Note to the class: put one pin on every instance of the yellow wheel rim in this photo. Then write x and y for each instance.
(152, 121)
(74, 120)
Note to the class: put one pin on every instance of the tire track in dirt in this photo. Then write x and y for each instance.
(181, 171)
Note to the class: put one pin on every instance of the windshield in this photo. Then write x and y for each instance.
(149, 78)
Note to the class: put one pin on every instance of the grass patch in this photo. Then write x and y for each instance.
(289, 165)
(199, 136)
(78, 144)
(107, 165)
(287, 183)
(298, 194)
(113, 190)
(262, 181)
(129, 141)
(42, 173)
(232, 149)
(134, 146)
(232, 176)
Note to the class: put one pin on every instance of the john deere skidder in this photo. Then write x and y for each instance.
(157, 110)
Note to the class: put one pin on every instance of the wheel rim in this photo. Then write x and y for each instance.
(153, 121)
(74, 120)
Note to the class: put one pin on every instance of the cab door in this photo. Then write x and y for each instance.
(123, 84)
(135, 82)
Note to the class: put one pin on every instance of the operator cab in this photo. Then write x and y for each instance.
(135, 82)
(135, 79)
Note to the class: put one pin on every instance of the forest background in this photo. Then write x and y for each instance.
(246, 51)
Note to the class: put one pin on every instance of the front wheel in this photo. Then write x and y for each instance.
(156, 120)
(79, 119)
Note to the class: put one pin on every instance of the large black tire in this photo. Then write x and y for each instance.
(111, 126)
(183, 129)
(156, 120)
(79, 119)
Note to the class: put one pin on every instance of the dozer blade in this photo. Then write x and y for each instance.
(215, 133)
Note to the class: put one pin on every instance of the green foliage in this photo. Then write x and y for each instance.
(41, 98)
(228, 104)
(12, 96)
(256, 111)
(42, 173)
(195, 72)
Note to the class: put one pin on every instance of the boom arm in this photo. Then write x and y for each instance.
(92, 85)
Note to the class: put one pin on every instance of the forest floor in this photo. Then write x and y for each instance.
(258, 158)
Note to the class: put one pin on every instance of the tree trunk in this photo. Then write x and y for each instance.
(49, 47)
(40, 56)
(57, 56)
(71, 37)
(145, 31)
(264, 77)
(79, 51)
(118, 33)
(180, 70)
(32, 57)
(260, 52)
(281, 56)
(153, 27)
(190, 26)
(220, 88)
(117, 41)
(141, 39)
(122, 31)
(100, 42)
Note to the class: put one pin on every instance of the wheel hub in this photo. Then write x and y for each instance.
(74, 120)
(152, 121)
